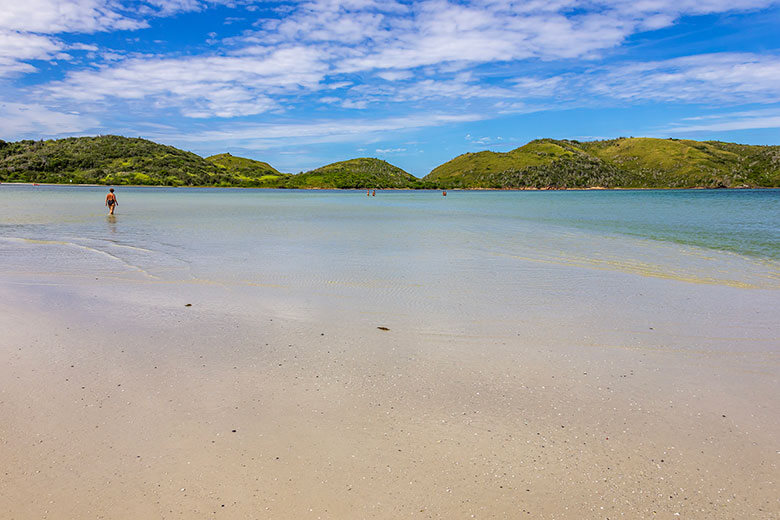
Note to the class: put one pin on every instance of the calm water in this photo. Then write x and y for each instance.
(398, 238)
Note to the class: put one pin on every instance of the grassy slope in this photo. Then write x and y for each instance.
(760, 165)
(666, 162)
(354, 173)
(632, 162)
(541, 163)
(111, 160)
(249, 171)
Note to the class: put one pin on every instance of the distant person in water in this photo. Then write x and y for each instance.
(374, 194)
(111, 201)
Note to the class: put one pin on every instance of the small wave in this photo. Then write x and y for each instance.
(84, 248)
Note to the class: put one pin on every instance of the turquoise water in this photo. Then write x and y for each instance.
(321, 237)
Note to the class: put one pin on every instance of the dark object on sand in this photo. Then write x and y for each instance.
(383, 328)
(188, 305)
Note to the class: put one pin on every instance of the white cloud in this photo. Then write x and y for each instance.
(341, 21)
(167, 7)
(258, 136)
(538, 87)
(35, 119)
(431, 32)
(22, 46)
(394, 75)
(27, 29)
(385, 151)
(58, 16)
(360, 105)
(484, 140)
(745, 120)
(381, 49)
(706, 78)
(222, 86)
(16, 48)
(9, 67)
(83, 47)
(463, 86)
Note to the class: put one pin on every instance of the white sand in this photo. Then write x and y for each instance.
(127, 408)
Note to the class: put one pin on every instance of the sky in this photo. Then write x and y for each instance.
(305, 83)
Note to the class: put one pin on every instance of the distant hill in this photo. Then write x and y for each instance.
(112, 159)
(624, 162)
(538, 164)
(682, 162)
(545, 163)
(257, 173)
(354, 173)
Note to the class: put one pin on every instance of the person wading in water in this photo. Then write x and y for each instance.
(111, 201)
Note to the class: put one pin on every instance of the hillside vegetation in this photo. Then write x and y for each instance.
(354, 173)
(248, 171)
(113, 159)
(538, 164)
(544, 164)
(625, 162)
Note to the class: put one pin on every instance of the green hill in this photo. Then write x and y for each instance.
(354, 173)
(544, 163)
(624, 162)
(538, 164)
(112, 159)
(682, 162)
(258, 173)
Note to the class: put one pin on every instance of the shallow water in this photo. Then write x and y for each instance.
(471, 261)
(746, 222)
(397, 241)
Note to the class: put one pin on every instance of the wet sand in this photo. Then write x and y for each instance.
(136, 406)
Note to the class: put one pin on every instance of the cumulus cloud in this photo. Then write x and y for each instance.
(384, 52)
(403, 36)
(27, 29)
(73, 16)
(222, 86)
(20, 46)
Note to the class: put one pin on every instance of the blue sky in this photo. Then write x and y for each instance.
(304, 83)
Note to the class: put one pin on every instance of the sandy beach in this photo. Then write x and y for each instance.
(153, 366)
(112, 408)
